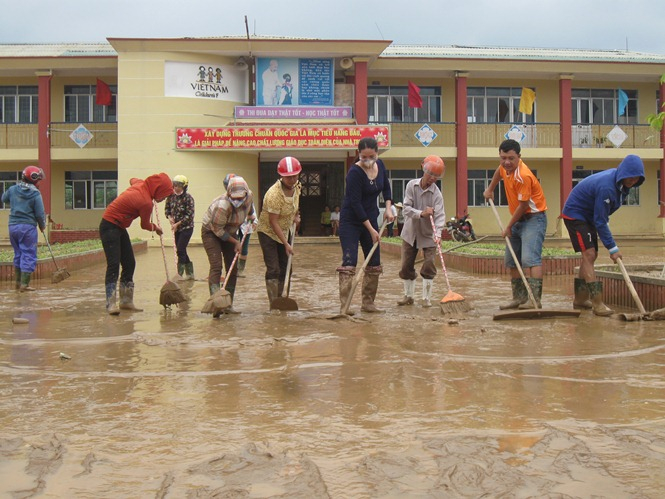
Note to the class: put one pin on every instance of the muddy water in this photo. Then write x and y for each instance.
(403, 404)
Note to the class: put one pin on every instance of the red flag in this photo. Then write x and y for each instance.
(414, 95)
(104, 97)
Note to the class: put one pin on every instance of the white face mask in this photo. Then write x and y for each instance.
(237, 202)
(367, 163)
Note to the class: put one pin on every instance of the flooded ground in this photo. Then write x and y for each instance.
(404, 404)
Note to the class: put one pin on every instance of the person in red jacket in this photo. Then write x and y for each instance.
(136, 201)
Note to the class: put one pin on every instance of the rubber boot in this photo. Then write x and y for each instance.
(213, 288)
(241, 266)
(427, 293)
(536, 286)
(127, 297)
(596, 293)
(346, 275)
(520, 295)
(409, 291)
(25, 282)
(189, 271)
(111, 302)
(272, 289)
(181, 270)
(232, 292)
(17, 276)
(581, 299)
(370, 287)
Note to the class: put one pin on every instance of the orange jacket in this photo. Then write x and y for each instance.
(136, 201)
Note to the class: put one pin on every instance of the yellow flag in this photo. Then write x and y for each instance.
(526, 100)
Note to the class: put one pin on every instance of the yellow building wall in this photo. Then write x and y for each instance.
(146, 133)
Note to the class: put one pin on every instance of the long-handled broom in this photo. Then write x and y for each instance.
(170, 294)
(453, 303)
(60, 274)
(221, 300)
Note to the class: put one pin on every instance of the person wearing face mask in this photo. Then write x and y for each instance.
(242, 259)
(137, 201)
(179, 210)
(279, 211)
(422, 200)
(365, 181)
(219, 233)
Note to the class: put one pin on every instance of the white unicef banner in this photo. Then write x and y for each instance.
(205, 81)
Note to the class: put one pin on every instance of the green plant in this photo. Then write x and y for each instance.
(656, 120)
(59, 249)
(486, 249)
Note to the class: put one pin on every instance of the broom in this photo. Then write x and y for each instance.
(453, 303)
(221, 299)
(170, 294)
(60, 274)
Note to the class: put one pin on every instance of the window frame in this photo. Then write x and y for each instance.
(478, 107)
(606, 100)
(384, 100)
(82, 185)
(80, 106)
(22, 100)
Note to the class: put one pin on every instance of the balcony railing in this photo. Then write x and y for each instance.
(529, 135)
(638, 136)
(404, 134)
(104, 135)
(18, 136)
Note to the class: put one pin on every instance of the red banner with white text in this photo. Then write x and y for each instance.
(280, 137)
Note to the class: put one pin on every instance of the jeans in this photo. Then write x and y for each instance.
(182, 238)
(119, 252)
(527, 239)
(349, 236)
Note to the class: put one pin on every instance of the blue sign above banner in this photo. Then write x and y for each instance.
(292, 82)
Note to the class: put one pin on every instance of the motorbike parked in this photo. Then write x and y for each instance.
(460, 229)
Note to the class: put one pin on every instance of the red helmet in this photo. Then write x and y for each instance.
(289, 166)
(434, 165)
(33, 174)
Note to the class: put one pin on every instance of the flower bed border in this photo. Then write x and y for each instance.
(651, 290)
(45, 267)
(484, 264)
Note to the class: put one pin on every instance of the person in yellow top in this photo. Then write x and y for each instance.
(527, 226)
(278, 213)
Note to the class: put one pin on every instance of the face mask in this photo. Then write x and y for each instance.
(368, 162)
(237, 202)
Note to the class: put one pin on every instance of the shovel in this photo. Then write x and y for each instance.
(60, 274)
(284, 302)
(643, 315)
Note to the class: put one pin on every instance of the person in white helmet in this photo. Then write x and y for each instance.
(279, 211)
(179, 210)
(422, 200)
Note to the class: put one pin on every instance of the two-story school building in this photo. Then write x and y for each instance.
(95, 115)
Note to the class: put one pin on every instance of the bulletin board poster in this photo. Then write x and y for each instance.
(295, 82)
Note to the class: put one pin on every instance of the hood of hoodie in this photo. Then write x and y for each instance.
(27, 190)
(631, 166)
(159, 186)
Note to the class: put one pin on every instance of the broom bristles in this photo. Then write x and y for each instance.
(171, 294)
(218, 302)
(59, 275)
(454, 303)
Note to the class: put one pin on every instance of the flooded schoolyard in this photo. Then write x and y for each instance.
(401, 404)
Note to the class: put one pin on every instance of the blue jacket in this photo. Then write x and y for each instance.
(599, 195)
(26, 205)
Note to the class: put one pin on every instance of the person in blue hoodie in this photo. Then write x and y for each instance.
(586, 214)
(25, 214)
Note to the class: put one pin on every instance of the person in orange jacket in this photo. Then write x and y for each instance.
(135, 202)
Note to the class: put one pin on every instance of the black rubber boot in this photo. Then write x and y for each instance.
(520, 295)
(25, 282)
(17, 276)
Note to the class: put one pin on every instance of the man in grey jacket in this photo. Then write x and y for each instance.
(422, 200)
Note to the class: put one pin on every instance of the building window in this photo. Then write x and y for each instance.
(19, 104)
(391, 104)
(80, 105)
(7, 179)
(496, 105)
(633, 198)
(90, 190)
(479, 180)
(601, 107)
